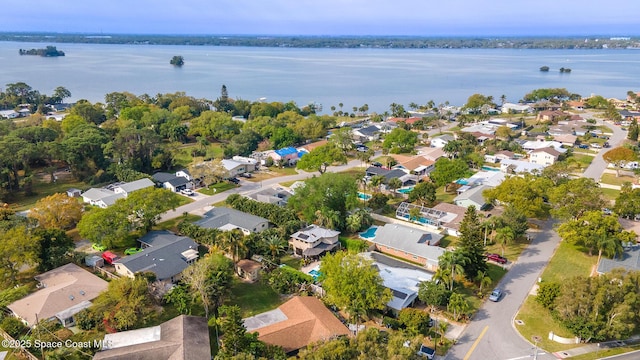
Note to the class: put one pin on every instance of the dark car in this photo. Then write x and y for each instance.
(376, 164)
(362, 148)
(234, 180)
(583, 146)
(496, 258)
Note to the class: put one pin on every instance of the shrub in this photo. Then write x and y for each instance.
(13, 326)
(547, 294)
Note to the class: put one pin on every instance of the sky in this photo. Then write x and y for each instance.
(326, 17)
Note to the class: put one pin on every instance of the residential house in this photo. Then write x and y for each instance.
(402, 278)
(386, 126)
(314, 241)
(545, 105)
(164, 254)
(239, 165)
(510, 108)
(511, 166)
(499, 156)
(248, 270)
(388, 174)
(408, 121)
(172, 182)
(629, 115)
(545, 156)
(272, 195)
(63, 292)
(223, 218)
(409, 243)
(185, 174)
(101, 197)
(441, 141)
(431, 153)
(310, 146)
(551, 115)
(453, 218)
(130, 187)
(628, 260)
(73, 192)
(301, 321)
(541, 143)
(566, 140)
(417, 165)
(576, 105)
(473, 196)
(184, 337)
(369, 133)
(288, 154)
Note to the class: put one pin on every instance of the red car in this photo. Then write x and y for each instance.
(496, 258)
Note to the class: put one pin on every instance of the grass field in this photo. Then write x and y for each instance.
(172, 225)
(253, 298)
(613, 180)
(443, 196)
(583, 160)
(610, 194)
(569, 261)
(217, 188)
(538, 322)
(45, 188)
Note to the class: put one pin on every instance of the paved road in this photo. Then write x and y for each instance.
(491, 334)
(598, 165)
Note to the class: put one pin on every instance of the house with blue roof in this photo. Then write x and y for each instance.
(289, 154)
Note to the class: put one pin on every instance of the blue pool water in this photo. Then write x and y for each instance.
(487, 168)
(314, 274)
(364, 196)
(462, 181)
(405, 190)
(370, 233)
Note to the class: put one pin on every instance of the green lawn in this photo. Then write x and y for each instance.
(217, 188)
(353, 244)
(613, 180)
(288, 183)
(538, 322)
(253, 298)
(606, 353)
(569, 261)
(172, 225)
(446, 197)
(184, 157)
(42, 189)
(294, 262)
(355, 172)
(583, 160)
(611, 194)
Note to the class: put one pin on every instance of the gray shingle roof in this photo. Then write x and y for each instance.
(409, 240)
(473, 194)
(629, 260)
(221, 216)
(164, 258)
(136, 185)
(162, 177)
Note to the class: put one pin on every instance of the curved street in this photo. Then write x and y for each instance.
(491, 333)
(598, 165)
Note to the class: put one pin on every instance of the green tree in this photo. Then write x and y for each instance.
(547, 294)
(454, 261)
(108, 227)
(400, 140)
(505, 236)
(575, 197)
(634, 131)
(628, 202)
(124, 305)
(483, 280)
(321, 157)
(18, 247)
(447, 171)
(180, 298)
(619, 156)
(83, 151)
(177, 60)
(525, 194)
(359, 220)
(415, 321)
(342, 138)
(57, 211)
(329, 191)
(394, 184)
(352, 284)
(54, 248)
(476, 101)
(424, 193)
(458, 306)
(471, 244)
(594, 230)
(433, 293)
(209, 279)
(146, 205)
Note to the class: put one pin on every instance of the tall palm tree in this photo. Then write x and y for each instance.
(455, 261)
(277, 247)
(394, 184)
(376, 181)
(233, 242)
(483, 280)
(505, 236)
(610, 245)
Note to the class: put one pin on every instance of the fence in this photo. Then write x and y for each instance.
(106, 273)
(22, 351)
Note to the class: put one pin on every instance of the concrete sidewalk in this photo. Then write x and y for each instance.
(595, 347)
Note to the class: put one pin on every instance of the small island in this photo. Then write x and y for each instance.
(544, 68)
(564, 70)
(49, 51)
(177, 61)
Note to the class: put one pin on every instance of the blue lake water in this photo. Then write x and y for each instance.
(377, 77)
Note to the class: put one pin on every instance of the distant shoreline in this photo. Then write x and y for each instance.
(347, 42)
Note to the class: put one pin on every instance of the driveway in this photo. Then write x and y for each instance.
(491, 333)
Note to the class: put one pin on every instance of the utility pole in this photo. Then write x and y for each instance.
(536, 339)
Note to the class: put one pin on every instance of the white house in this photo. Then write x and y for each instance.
(441, 141)
(128, 188)
(544, 156)
(510, 108)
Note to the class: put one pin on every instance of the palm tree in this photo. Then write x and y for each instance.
(483, 280)
(394, 184)
(233, 243)
(503, 99)
(442, 329)
(277, 247)
(505, 236)
(610, 245)
(415, 214)
(455, 261)
(442, 274)
(376, 181)
(452, 148)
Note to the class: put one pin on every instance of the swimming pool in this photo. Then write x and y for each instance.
(406, 190)
(315, 274)
(370, 233)
(363, 196)
(487, 168)
(462, 181)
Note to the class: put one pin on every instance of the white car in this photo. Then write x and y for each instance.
(187, 192)
(495, 296)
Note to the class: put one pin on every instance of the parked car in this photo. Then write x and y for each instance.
(187, 192)
(98, 247)
(131, 251)
(426, 352)
(606, 211)
(596, 146)
(362, 148)
(583, 146)
(110, 257)
(376, 164)
(234, 180)
(606, 144)
(495, 296)
(246, 175)
(496, 258)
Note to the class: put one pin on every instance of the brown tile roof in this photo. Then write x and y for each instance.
(454, 209)
(409, 121)
(181, 338)
(308, 321)
(64, 287)
(400, 158)
(248, 265)
(566, 138)
(416, 161)
(314, 145)
(548, 150)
